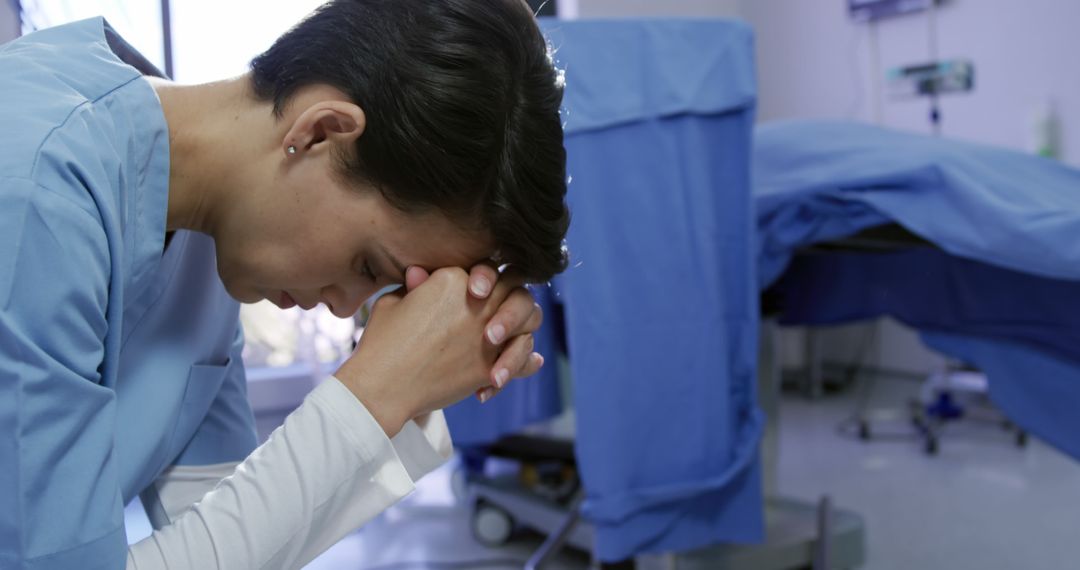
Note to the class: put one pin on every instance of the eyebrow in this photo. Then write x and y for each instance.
(394, 262)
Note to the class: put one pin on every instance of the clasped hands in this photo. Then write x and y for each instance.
(440, 338)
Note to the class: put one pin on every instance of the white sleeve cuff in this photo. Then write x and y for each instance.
(422, 444)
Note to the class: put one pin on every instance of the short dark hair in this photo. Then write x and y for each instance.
(462, 105)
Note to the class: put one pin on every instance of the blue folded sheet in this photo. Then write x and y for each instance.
(660, 302)
(1003, 290)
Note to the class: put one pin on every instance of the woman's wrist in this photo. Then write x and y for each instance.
(387, 411)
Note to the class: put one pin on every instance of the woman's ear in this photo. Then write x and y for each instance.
(339, 122)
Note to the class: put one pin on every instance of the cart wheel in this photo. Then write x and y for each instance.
(931, 446)
(491, 525)
(864, 430)
(1021, 438)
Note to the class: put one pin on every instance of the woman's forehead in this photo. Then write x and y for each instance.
(432, 240)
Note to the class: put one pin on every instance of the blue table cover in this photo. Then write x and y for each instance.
(1003, 291)
(820, 180)
(660, 303)
(1020, 329)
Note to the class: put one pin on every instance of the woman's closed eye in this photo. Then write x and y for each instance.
(366, 271)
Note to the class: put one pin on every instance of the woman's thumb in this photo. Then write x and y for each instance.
(415, 276)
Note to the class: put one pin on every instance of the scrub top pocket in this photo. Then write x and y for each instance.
(204, 383)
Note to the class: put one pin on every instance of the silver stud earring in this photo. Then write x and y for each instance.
(292, 149)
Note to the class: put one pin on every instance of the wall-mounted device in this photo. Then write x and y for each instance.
(931, 79)
(866, 10)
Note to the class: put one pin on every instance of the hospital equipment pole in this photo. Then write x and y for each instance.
(166, 37)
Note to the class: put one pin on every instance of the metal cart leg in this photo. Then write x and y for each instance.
(822, 554)
(555, 540)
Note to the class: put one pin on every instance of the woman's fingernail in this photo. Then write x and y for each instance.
(485, 396)
(539, 358)
(495, 333)
(501, 377)
(480, 287)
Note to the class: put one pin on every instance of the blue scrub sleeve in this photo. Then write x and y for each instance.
(227, 432)
(60, 500)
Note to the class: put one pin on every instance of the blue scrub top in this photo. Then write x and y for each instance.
(118, 357)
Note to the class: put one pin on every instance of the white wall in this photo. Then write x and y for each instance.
(807, 60)
(814, 61)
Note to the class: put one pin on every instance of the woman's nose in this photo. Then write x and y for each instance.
(343, 302)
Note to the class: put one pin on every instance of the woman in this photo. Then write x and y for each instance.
(378, 142)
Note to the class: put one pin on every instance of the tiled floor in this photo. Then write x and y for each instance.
(982, 503)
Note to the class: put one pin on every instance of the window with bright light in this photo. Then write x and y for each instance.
(212, 39)
(138, 22)
(216, 39)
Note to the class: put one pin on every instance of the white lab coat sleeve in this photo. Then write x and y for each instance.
(326, 471)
